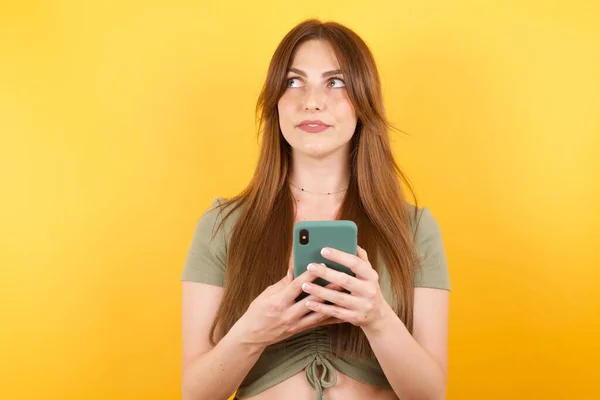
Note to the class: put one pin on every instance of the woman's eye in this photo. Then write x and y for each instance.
(293, 82)
(336, 83)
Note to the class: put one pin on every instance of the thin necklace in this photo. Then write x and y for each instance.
(327, 193)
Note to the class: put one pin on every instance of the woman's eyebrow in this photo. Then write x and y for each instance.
(325, 74)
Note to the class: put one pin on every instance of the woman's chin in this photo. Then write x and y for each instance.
(317, 151)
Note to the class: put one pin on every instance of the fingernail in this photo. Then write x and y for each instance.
(306, 287)
(325, 251)
(311, 304)
(311, 267)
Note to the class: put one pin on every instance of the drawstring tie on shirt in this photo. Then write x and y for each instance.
(328, 376)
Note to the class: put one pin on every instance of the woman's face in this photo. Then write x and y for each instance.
(316, 116)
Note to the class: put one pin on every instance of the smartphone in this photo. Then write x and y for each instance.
(311, 236)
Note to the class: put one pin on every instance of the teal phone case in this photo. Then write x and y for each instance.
(338, 234)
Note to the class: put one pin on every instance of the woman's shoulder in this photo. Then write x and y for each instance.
(425, 229)
(206, 260)
(421, 220)
(221, 211)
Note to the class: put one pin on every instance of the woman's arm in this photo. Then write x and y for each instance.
(415, 366)
(215, 373)
(210, 372)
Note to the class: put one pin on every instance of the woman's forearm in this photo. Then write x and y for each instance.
(218, 373)
(412, 372)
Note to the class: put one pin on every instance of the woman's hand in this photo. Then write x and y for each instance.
(275, 315)
(364, 306)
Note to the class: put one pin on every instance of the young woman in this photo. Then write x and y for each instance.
(325, 155)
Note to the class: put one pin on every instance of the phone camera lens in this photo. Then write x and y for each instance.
(303, 236)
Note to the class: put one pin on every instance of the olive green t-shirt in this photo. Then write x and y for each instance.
(206, 262)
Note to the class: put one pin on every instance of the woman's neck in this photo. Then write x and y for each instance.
(311, 179)
(320, 176)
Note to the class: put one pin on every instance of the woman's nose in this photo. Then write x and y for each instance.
(314, 100)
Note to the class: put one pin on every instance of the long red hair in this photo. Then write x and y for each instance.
(260, 243)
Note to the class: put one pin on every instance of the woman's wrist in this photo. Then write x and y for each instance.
(387, 317)
(245, 339)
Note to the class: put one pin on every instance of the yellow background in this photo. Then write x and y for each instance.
(120, 121)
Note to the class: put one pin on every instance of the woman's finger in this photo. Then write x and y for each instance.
(314, 320)
(345, 281)
(360, 267)
(298, 309)
(362, 254)
(332, 311)
(334, 296)
(294, 287)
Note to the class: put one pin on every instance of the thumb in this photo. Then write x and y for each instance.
(290, 274)
(288, 278)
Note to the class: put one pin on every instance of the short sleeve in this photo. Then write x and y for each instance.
(433, 269)
(207, 254)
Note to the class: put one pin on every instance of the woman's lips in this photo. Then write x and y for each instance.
(313, 126)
